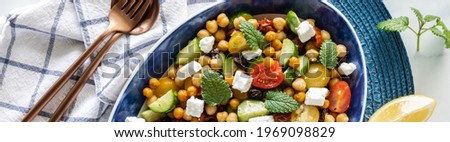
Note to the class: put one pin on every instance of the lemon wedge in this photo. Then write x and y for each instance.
(412, 108)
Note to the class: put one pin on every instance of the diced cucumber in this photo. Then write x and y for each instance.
(165, 103)
(251, 108)
(229, 67)
(303, 67)
(287, 51)
(189, 53)
(289, 76)
(244, 14)
(293, 21)
(151, 116)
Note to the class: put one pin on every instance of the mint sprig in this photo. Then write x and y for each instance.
(279, 102)
(215, 89)
(253, 37)
(400, 24)
(328, 54)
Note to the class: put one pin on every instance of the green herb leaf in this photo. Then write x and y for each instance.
(215, 89)
(418, 14)
(429, 18)
(255, 39)
(279, 102)
(394, 25)
(444, 33)
(328, 54)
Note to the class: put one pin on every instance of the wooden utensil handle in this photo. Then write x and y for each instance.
(76, 89)
(56, 87)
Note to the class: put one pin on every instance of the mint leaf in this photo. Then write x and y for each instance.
(394, 25)
(253, 37)
(430, 18)
(328, 54)
(215, 90)
(279, 102)
(444, 33)
(418, 14)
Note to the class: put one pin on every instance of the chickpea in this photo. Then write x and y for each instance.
(194, 119)
(179, 82)
(290, 91)
(192, 91)
(326, 104)
(147, 92)
(325, 35)
(152, 99)
(229, 79)
(341, 50)
(203, 33)
(172, 72)
(154, 83)
(342, 118)
(204, 60)
(311, 21)
(211, 26)
(333, 81)
(219, 35)
(269, 51)
(279, 23)
(277, 44)
(216, 64)
(329, 118)
(232, 117)
(234, 103)
(270, 36)
(312, 54)
(187, 117)
(222, 116)
(223, 45)
(222, 20)
(178, 113)
(182, 95)
(254, 22)
(237, 21)
(196, 79)
(299, 85)
(294, 62)
(210, 110)
(334, 114)
(310, 45)
(281, 35)
(277, 54)
(268, 62)
(335, 73)
(300, 97)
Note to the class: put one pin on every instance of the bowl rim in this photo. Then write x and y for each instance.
(221, 1)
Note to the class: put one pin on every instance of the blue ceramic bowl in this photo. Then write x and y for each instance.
(327, 17)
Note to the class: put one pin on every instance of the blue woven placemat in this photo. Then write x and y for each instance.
(388, 68)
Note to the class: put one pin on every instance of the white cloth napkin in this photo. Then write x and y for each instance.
(38, 43)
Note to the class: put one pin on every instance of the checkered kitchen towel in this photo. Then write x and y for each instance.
(38, 43)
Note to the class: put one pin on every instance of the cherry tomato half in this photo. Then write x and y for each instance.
(340, 97)
(267, 77)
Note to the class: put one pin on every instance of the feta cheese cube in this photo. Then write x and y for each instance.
(194, 107)
(134, 119)
(316, 96)
(188, 70)
(347, 68)
(305, 31)
(268, 118)
(251, 54)
(242, 82)
(206, 44)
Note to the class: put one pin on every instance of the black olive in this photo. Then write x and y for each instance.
(255, 94)
(241, 62)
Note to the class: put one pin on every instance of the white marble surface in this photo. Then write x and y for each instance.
(430, 66)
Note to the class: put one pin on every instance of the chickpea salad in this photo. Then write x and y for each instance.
(242, 69)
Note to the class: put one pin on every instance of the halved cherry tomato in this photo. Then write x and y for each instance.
(318, 37)
(265, 77)
(340, 97)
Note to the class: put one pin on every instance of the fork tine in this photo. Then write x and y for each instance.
(136, 7)
(142, 10)
(129, 5)
(119, 4)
